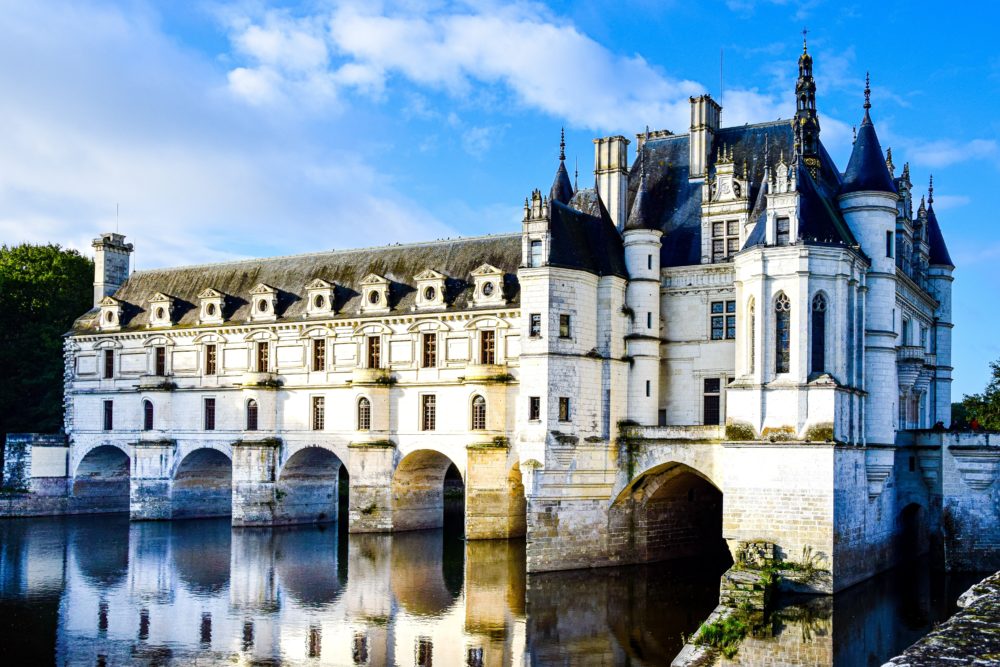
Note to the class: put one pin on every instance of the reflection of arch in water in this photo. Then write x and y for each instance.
(418, 581)
(201, 553)
(203, 485)
(418, 490)
(100, 547)
(494, 585)
(104, 473)
(669, 511)
(306, 562)
(307, 487)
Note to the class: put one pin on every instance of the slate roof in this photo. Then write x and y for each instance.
(938, 251)
(584, 241)
(562, 188)
(455, 258)
(866, 169)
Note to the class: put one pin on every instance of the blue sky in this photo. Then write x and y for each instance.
(234, 129)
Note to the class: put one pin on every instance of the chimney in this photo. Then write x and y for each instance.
(111, 263)
(705, 113)
(611, 170)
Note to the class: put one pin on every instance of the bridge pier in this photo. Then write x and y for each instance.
(150, 484)
(371, 487)
(255, 463)
(494, 494)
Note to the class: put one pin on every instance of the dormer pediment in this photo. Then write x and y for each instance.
(487, 270)
(430, 289)
(210, 293)
(318, 283)
(374, 279)
(263, 288)
(428, 274)
(160, 297)
(374, 294)
(488, 281)
(109, 301)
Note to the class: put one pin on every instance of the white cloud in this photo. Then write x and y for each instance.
(946, 152)
(947, 202)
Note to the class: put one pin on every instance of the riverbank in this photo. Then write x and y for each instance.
(970, 637)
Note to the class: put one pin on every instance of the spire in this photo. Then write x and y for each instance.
(930, 192)
(806, 122)
(867, 170)
(938, 254)
(562, 189)
(638, 217)
(868, 95)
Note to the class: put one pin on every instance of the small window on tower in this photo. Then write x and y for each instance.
(534, 325)
(564, 414)
(782, 231)
(534, 408)
(888, 243)
(535, 256)
(564, 329)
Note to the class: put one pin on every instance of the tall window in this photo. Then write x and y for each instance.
(364, 414)
(428, 412)
(430, 349)
(535, 255)
(723, 320)
(710, 406)
(818, 334)
(534, 325)
(374, 355)
(262, 356)
(209, 414)
(478, 413)
(211, 360)
(318, 413)
(905, 331)
(319, 354)
(109, 364)
(487, 346)
(752, 333)
(147, 415)
(534, 408)
(161, 360)
(782, 230)
(725, 240)
(564, 326)
(109, 415)
(564, 409)
(251, 415)
(889, 242)
(782, 331)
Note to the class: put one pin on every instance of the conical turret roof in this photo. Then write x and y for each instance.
(866, 170)
(562, 187)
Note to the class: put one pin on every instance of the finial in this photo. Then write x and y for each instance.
(576, 174)
(562, 144)
(854, 133)
(906, 170)
(888, 161)
(868, 92)
(930, 192)
(805, 31)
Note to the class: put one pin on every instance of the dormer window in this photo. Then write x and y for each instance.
(160, 310)
(111, 314)
(263, 303)
(210, 308)
(488, 281)
(374, 294)
(430, 290)
(320, 295)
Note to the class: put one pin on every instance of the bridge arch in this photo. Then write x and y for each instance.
(307, 486)
(671, 510)
(104, 472)
(418, 489)
(203, 484)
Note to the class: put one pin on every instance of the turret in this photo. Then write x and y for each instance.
(562, 189)
(111, 264)
(939, 281)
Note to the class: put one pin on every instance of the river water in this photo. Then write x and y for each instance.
(101, 591)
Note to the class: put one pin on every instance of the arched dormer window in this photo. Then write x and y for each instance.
(818, 334)
(364, 414)
(147, 415)
(251, 415)
(782, 333)
(478, 413)
(751, 335)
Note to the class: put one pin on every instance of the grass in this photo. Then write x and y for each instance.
(724, 634)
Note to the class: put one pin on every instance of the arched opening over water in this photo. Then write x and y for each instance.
(307, 487)
(670, 511)
(910, 538)
(203, 485)
(420, 485)
(104, 473)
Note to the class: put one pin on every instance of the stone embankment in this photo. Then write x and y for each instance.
(970, 637)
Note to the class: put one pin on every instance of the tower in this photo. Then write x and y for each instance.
(939, 281)
(111, 264)
(806, 118)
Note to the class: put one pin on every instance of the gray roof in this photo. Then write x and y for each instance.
(866, 170)
(585, 242)
(938, 251)
(455, 258)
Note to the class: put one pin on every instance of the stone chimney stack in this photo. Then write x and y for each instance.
(705, 115)
(611, 170)
(111, 264)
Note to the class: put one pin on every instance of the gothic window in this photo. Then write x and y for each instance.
(725, 240)
(478, 413)
(318, 413)
(364, 414)
(262, 356)
(429, 345)
(319, 354)
(564, 328)
(109, 364)
(534, 408)
(147, 415)
(211, 359)
(374, 355)
(428, 412)
(487, 346)
(535, 256)
(818, 333)
(752, 334)
(251, 415)
(782, 331)
(723, 320)
(109, 415)
(564, 414)
(712, 389)
(535, 325)
(782, 231)
(209, 414)
(161, 360)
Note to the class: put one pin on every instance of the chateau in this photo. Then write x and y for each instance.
(726, 339)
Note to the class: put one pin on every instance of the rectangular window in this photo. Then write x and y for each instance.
(564, 331)
(319, 354)
(161, 360)
(534, 408)
(209, 414)
(649, 262)
(534, 325)
(710, 411)
(648, 388)
(109, 364)
(782, 229)
(923, 337)
(649, 320)
(564, 408)
(725, 240)
(905, 326)
(318, 413)
(535, 254)
(211, 360)
(888, 243)
(723, 320)
(262, 357)
(374, 344)
(487, 346)
(428, 412)
(109, 415)
(429, 345)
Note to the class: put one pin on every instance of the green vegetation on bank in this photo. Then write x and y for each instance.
(980, 411)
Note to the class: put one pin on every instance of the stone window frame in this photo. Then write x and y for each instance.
(110, 317)
(534, 408)
(317, 412)
(478, 411)
(726, 317)
(322, 290)
(363, 413)
(204, 342)
(729, 238)
(251, 415)
(108, 369)
(374, 294)
(782, 349)
(430, 292)
(428, 411)
(209, 417)
(487, 323)
(211, 306)
(161, 308)
(254, 341)
(488, 286)
(819, 308)
(318, 357)
(429, 337)
(153, 345)
(148, 415)
(263, 303)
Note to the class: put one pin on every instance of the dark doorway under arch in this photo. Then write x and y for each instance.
(203, 485)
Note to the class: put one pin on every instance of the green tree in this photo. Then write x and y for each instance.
(985, 407)
(43, 288)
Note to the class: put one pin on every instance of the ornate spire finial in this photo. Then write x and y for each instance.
(854, 133)
(562, 144)
(906, 170)
(888, 162)
(930, 192)
(805, 31)
(868, 92)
